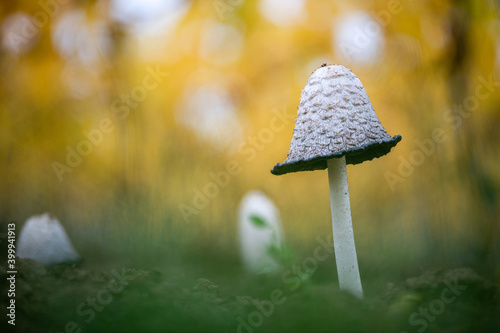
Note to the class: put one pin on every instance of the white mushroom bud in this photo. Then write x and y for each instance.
(44, 239)
(260, 233)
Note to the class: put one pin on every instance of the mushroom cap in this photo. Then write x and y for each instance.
(44, 239)
(335, 118)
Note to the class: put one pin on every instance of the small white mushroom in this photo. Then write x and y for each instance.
(44, 239)
(260, 233)
(337, 125)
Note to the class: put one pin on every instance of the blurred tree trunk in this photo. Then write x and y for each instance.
(481, 207)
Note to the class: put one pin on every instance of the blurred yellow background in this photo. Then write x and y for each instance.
(141, 125)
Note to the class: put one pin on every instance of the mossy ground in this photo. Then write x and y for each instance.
(122, 297)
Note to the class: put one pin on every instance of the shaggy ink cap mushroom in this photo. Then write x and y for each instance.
(336, 125)
(335, 118)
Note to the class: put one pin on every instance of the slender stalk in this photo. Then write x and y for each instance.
(343, 236)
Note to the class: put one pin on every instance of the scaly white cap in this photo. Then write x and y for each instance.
(335, 118)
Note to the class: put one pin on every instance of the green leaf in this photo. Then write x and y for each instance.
(258, 221)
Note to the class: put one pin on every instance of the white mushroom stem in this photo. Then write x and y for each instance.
(343, 235)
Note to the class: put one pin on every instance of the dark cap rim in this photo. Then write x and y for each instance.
(354, 155)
